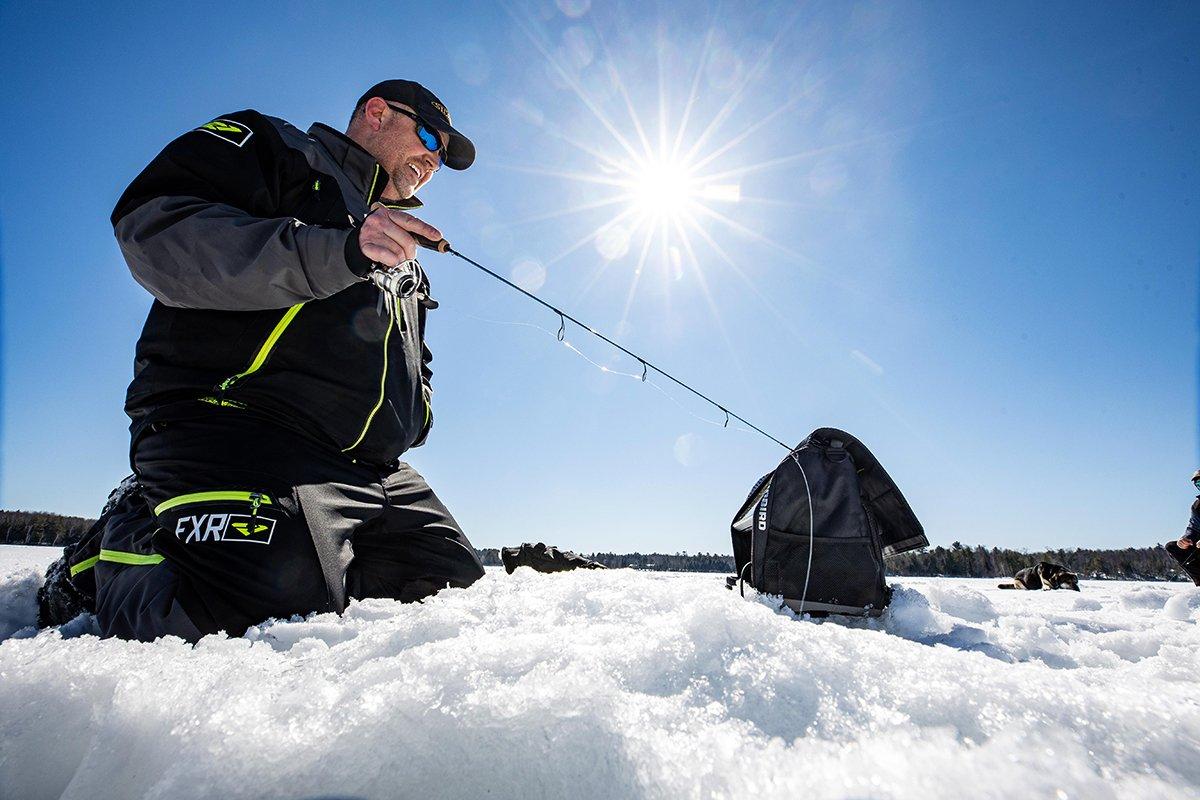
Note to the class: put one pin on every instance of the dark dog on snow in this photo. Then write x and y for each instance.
(1044, 576)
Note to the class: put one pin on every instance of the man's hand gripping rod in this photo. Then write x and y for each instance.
(404, 278)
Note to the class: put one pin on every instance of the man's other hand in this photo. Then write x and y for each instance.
(386, 236)
(1184, 543)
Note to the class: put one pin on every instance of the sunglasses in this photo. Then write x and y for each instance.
(425, 132)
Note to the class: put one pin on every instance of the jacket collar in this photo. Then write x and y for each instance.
(359, 165)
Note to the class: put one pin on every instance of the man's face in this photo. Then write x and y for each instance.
(402, 155)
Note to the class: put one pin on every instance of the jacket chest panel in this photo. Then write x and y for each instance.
(317, 200)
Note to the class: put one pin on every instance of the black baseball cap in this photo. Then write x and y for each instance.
(460, 152)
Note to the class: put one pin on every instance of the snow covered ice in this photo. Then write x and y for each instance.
(614, 684)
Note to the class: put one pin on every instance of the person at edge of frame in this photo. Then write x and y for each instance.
(281, 373)
(1185, 551)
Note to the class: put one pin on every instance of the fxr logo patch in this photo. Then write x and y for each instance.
(225, 528)
(233, 132)
(245, 528)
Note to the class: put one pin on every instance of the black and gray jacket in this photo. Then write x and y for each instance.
(1193, 529)
(245, 230)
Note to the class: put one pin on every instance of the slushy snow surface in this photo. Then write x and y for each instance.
(619, 684)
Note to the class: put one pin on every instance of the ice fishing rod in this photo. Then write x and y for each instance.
(443, 246)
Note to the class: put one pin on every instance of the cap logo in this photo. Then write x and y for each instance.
(441, 110)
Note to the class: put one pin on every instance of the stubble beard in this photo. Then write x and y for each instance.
(401, 180)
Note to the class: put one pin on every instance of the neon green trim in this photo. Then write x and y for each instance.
(210, 497)
(382, 383)
(219, 401)
(137, 559)
(374, 180)
(428, 410)
(84, 566)
(317, 185)
(260, 357)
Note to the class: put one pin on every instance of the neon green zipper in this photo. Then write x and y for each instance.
(260, 357)
(371, 190)
(382, 379)
(255, 499)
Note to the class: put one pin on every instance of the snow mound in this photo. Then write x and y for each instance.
(959, 601)
(621, 684)
(1183, 605)
(18, 601)
(1146, 597)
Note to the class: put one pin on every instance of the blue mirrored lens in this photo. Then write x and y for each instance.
(430, 139)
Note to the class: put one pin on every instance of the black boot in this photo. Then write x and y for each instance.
(544, 559)
(58, 600)
(64, 596)
(1189, 560)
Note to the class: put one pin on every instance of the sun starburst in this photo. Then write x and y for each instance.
(665, 177)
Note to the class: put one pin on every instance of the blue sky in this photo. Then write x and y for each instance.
(968, 234)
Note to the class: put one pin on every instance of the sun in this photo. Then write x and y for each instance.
(663, 164)
(662, 188)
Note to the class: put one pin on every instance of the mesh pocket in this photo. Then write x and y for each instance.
(844, 571)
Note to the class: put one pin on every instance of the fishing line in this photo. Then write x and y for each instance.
(442, 246)
(640, 378)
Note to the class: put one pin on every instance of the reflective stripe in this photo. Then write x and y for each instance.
(137, 559)
(210, 497)
(260, 357)
(382, 380)
(84, 566)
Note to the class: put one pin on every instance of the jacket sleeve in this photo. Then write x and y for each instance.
(1193, 528)
(199, 226)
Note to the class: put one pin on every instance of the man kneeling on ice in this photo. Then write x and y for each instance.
(1185, 551)
(281, 374)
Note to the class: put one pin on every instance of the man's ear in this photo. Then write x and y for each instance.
(373, 112)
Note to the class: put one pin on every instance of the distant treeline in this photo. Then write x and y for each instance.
(962, 561)
(956, 561)
(680, 562)
(39, 527)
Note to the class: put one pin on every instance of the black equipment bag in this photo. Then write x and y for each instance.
(817, 528)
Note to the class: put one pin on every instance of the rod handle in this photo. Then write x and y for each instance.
(441, 245)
